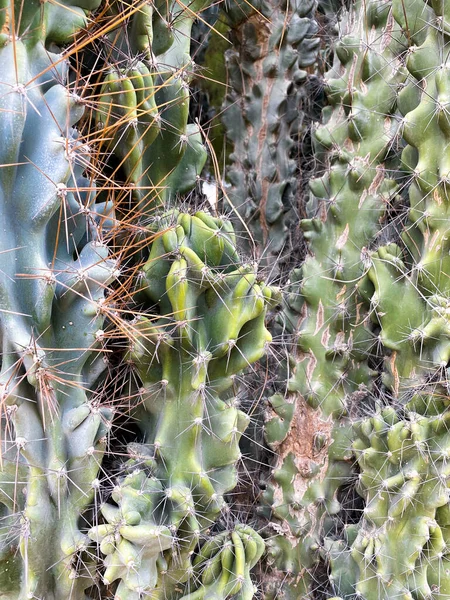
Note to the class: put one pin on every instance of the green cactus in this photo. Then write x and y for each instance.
(142, 109)
(415, 338)
(324, 309)
(401, 544)
(399, 548)
(208, 326)
(346, 210)
(222, 567)
(116, 303)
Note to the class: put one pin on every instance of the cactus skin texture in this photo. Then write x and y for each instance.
(53, 432)
(325, 309)
(400, 549)
(223, 565)
(416, 337)
(347, 205)
(208, 327)
(273, 43)
(143, 110)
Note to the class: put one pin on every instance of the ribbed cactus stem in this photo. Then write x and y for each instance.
(143, 106)
(416, 331)
(208, 327)
(53, 433)
(325, 308)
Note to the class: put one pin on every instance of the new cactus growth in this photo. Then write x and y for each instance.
(208, 326)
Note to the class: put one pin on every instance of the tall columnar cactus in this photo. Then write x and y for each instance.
(415, 338)
(208, 326)
(346, 210)
(324, 309)
(54, 274)
(273, 44)
(399, 548)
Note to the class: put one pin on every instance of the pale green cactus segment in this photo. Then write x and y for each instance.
(208, 326)
(143, 111)
(325, 308)
(415, 331)
(128, 110)
(401, 546)
(222, 566)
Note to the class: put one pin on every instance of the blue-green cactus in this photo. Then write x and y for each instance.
(55, 272)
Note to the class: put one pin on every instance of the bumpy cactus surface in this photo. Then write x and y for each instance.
(54, 274)
(129, 323)
(208, 326)
(273, 44)
(325, 313)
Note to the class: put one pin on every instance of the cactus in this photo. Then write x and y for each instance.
(208, 326)
(324, 310)
(143, 105)
(273, 44)
(399, 548)
(346, 210)
(416, 338)
(401, 545)
(223, 565)
(127, 323)
(55, 271)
